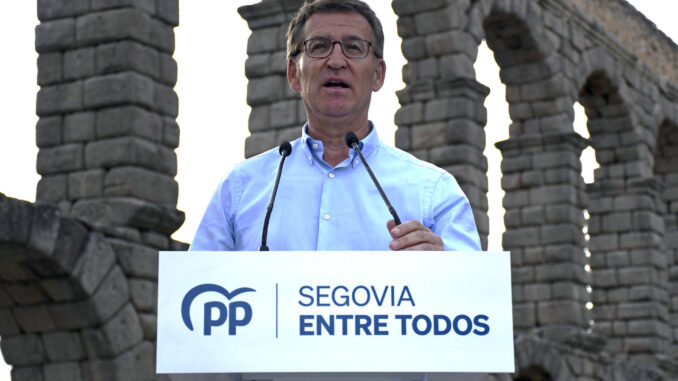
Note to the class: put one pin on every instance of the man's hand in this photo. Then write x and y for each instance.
(412, 235)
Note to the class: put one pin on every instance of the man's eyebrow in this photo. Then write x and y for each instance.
(321, 37)
(349, 37)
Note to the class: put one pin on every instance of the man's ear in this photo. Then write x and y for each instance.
(379, 75)
(293, 75)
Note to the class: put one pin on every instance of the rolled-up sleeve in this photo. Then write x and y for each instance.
(453, 219)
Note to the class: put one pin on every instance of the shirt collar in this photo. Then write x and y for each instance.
(313, 149)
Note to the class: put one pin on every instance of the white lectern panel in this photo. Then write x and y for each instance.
(282, 312)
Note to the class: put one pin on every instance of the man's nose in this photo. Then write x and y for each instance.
(336, 59)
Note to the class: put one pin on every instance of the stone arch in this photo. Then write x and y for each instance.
(606, 100)
(624, 226)
(515, 33)
(67, 306)
(511, 39)
(540, 167)
(525, 13)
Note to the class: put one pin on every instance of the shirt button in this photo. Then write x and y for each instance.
(331, 175)
(327, 217)
(315, 145)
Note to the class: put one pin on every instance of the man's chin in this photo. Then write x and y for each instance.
(337, 110)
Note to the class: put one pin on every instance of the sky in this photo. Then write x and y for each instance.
(211, 52)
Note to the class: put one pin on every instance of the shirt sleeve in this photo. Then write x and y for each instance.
(216, 232)
(453, 216)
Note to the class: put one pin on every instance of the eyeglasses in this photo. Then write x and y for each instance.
(323, 47)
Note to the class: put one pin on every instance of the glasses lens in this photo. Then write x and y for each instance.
(322, 47)
(355, 48)
(318, 47)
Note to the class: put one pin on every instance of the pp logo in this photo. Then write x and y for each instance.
(223, 311)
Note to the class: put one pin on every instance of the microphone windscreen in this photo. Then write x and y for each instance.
(351, 139)
(285, 149)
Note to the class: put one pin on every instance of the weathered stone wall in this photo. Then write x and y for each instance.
(594, 266)
(78, 269)
(635, 32)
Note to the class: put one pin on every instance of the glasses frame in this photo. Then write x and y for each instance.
(341, 44)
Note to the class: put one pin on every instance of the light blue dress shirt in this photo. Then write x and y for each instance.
(323, 208)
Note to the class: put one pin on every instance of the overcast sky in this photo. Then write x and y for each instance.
(211, 51)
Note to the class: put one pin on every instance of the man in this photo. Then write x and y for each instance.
(326, 200)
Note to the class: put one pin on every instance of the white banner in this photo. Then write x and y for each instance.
(241, 312)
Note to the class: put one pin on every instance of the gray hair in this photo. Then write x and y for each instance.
(310, 7)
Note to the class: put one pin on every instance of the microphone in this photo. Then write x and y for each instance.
(285, 150)
(352, 141)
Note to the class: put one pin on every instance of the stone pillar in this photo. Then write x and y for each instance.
(671, 239)
(277, 112)
(544, 219)
(442, 117)
(77, 304)
(107, 108)
(666, 171)
(629, 266)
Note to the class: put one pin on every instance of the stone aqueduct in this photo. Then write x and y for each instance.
(78, 268)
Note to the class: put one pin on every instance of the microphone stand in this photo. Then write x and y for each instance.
(285, 150)
(352, 141)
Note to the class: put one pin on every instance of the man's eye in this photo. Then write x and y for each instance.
(318, 46)
(353, 46)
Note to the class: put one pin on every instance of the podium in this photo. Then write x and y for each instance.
(330, 377)
(334, 315)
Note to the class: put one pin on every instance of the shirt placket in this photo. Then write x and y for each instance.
(328, 217)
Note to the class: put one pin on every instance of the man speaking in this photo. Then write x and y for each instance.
(326, 199)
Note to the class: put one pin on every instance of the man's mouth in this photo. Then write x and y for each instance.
(337, 84)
